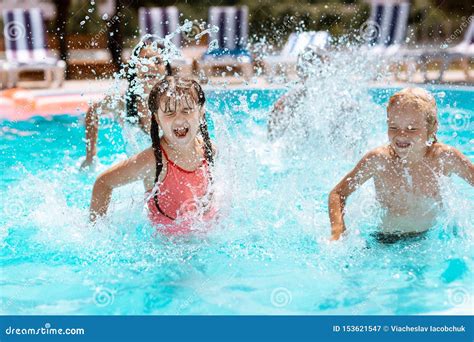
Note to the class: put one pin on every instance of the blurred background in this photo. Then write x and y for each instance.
(85, 35)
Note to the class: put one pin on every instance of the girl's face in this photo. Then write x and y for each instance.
(408, 131)
(179, 116)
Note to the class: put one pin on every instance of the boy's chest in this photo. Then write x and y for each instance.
(398, 181)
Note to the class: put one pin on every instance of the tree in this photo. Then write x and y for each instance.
(62, 10)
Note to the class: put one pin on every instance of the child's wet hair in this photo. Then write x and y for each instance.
(168, 89)
(423, 101)
(175, 88)
(131, 97)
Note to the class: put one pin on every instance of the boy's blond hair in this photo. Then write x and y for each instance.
(423, 101)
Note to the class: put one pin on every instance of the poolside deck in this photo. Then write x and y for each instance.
(74, 97)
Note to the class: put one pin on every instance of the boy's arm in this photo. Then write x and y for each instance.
(361, 173)
(458, 163)
(127, 171)
(92, 129)
(275, 117)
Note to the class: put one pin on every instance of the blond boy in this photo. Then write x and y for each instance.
(406, 171)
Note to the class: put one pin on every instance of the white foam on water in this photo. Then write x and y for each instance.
(274, 223)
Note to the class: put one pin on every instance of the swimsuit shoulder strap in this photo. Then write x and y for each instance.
(173, 164)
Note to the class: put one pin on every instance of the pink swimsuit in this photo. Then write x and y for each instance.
(182, 199)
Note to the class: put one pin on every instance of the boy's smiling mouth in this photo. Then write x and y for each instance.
(402, 145)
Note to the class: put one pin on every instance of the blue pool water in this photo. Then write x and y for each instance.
(268, 255)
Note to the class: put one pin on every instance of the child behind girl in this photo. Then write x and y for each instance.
(176, 168)
(145, 67)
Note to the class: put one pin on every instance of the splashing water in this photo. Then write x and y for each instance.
(269, 252)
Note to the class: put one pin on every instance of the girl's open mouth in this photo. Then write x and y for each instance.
(181, 132)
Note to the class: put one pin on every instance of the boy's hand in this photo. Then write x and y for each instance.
(87, 162)
(92, 217)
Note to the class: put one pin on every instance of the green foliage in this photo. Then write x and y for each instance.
(276, 19)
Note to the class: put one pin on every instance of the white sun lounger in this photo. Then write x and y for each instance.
(388, 22)
(463, 52)
(26, 49)
(288, 57)
(160, 22)
(231, 50)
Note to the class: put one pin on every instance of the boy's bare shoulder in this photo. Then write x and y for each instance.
(441, 150)
(378, 154)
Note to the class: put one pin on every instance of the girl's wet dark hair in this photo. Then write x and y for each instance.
(176, 86)
(131, 98)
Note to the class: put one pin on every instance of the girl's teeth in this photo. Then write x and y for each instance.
(181, 131)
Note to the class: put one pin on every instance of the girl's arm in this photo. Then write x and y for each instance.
(127, 171)
(92, 128)
(458, 163)
(362, 172)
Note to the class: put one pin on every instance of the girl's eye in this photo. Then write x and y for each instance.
(412, 129)
(392, 128)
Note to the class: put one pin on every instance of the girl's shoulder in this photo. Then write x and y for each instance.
(145, 157)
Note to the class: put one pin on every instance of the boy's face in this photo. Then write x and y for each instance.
(151, 67)
(179, 118)
(407, 131)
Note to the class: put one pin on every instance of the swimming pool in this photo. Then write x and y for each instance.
(268, 255)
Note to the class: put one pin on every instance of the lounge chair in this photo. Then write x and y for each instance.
(388, 22)
(297, 42)
(160, 22)
(231, 38)
(26, 49)
(4, 76)
(463, 52)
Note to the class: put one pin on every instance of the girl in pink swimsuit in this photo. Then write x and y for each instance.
(181, 198)
(176, 169)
